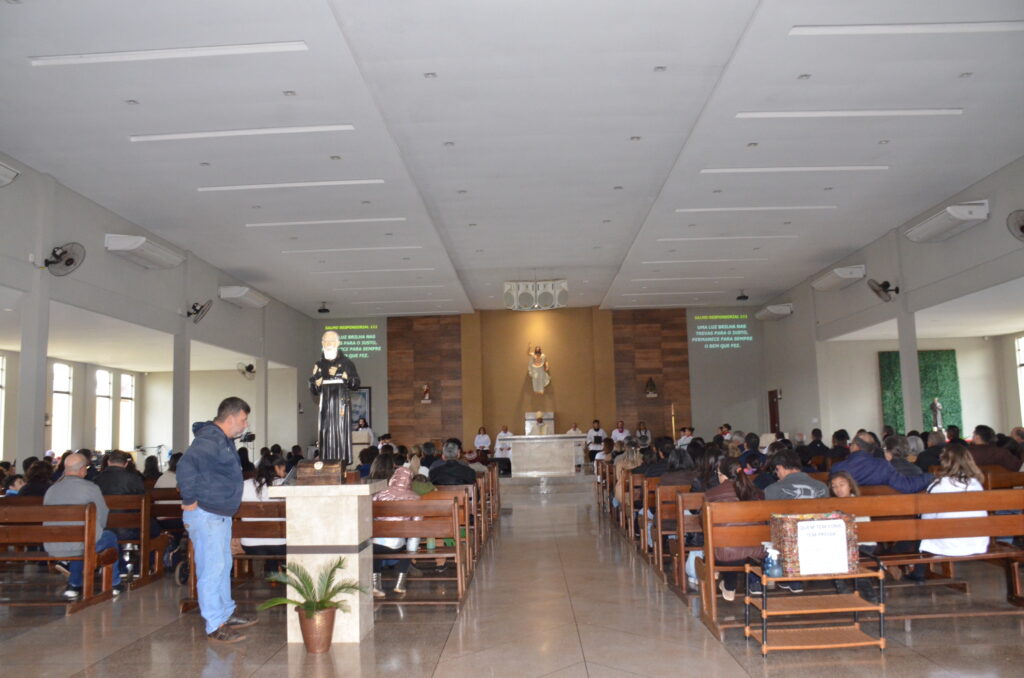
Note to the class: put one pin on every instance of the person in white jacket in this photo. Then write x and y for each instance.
(958, 473)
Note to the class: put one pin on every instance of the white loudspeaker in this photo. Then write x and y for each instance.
(561, 293)
(510, 296)
(545, 295)
(526, 296)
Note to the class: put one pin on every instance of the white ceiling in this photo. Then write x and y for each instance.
(988, 313)
(83, 336)
(541, 102)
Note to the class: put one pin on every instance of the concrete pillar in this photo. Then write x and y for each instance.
(181, 427)
(910, 375)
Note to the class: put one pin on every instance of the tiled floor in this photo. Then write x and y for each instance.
(557, 593)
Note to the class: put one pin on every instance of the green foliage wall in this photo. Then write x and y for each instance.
(939, 379)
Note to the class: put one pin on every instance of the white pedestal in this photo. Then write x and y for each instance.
(556, 455)
(324, 522)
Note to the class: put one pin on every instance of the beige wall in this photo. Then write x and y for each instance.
(578, 345)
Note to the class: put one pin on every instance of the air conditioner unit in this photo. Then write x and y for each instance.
(7, 174)
(774, 312)
(142, 251)
(838, 278)
(242, 297)
(951, 221)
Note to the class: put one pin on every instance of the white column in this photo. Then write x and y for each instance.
(181, 433)
(910, 376)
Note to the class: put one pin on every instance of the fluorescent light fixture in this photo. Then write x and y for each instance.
(699, 261)
(405, 301)
(719, 277)
(142, 251)
(912, 29)
(371, 270)
(297, 184)
(764, 208)
(729, 237)
(388, 287)
(952, 220)
(242, 297)
(326, 222)
(353, 249)
(854, 113)
(253, 132)
(7, 174)
(666, 294)
(838, 278)
(774, 312)
(170, 53)
(781, 170)
(660, 305)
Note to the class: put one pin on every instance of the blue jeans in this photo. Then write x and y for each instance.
(106, 541)
(211, 538)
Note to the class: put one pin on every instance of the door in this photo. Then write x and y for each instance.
(773, 411)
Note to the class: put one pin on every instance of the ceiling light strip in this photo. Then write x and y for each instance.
(853, 113)
(699, 261)
(253, 132)
(717, 277)
(326, 222)
(371, 270)
(328, 250)
(388, 287)
(911, 29)
(666, 294)
(764, 208)
(297, 184)
(730, 237)
(405, 301)
(782, 170)
(661, 305)
(169, 53)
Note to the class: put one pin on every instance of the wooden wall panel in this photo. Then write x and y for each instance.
(651, 344)
(424, 350)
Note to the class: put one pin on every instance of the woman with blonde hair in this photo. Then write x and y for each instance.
(623, 466)
(957, 473)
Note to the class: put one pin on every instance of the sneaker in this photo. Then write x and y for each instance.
(63, 567)
(692, 583)
(754, 586)
(240, 622)
(72, 592)
(791, 586)
(225, 634)
(728, 594)
(117, 590)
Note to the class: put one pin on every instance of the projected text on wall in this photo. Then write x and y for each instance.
(721, 332)
(358, 341)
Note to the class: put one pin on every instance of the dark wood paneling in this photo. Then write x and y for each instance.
(424, 350)
(651, 344)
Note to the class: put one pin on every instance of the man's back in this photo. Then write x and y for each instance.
(992, 455)
(119, 480)
(796, 485)
(452, 472)
(74, 491)
(869, 470)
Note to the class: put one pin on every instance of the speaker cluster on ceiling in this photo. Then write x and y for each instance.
(536, 295)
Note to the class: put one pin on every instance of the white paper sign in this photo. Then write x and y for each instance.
(821, 547)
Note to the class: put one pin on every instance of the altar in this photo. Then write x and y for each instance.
(548, 455)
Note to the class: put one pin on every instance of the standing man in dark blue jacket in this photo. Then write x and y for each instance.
(209, 478)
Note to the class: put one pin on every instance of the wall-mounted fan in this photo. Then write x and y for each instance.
(64, 259)
(883, 290)
(1015, 222)
(199, 311)
(247, 370)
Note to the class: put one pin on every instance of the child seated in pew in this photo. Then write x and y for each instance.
(843, 485)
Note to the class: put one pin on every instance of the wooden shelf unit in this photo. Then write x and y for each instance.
(820, 636)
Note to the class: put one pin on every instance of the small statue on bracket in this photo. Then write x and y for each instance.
(426, 393)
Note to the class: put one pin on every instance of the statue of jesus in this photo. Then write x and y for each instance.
(537, 369)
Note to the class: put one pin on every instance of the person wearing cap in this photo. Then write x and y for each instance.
(537, 427)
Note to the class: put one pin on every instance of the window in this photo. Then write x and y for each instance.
(60, 420)
(126, 432)
(104, 410)
(3, 411)
(1020, 373)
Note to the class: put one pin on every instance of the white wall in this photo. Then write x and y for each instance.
(851, 379)
(10, 413)
(789, 365)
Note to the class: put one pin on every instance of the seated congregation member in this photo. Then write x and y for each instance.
(985, 452)
(430, 455)
(793, 483)
(74, 490)
(624, 465)
(896, 450)
(867, 469)
(13, 484)
(930, 456)
(451, 471)
(816, 448)
(958, 473)
(843, 485)
(953, 434)
(735, 485)
(115, 478)
(248, 468)
(366, 458)
(680, 469)
(398, 489)
(840, 446)
(151, 469)
(37, 479)
(169, 480)
(269, 472)
(706, 460)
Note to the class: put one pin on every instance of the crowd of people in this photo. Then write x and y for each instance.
(738, 466)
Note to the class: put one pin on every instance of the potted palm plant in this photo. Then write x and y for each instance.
(316, 606)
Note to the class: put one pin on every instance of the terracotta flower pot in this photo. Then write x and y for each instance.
(317, 630)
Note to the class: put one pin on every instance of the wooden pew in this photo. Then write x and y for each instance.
(665, 523)
(423, 518)
(686, 504)
(894, 518)
(462, 495)
(649, 494)
(133, 512)
(23, 525)
(1003, 479)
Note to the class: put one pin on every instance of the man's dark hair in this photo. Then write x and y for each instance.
(230, 407)
(27, 464)
(727, 427)
(787, 458)
(387, 448)
(368, 454)
(118, 457)
(986, 433)
(752, 441)
(780, 435)
(680, 460)
(664, 445)
(953, 431)
(841, 436)
(296, 448)
(172, 465)
(816, 433)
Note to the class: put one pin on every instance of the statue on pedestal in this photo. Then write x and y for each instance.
(334, 375)
(936, 408)
(537, 369)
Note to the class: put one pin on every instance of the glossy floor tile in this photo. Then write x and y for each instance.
(557, 593)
